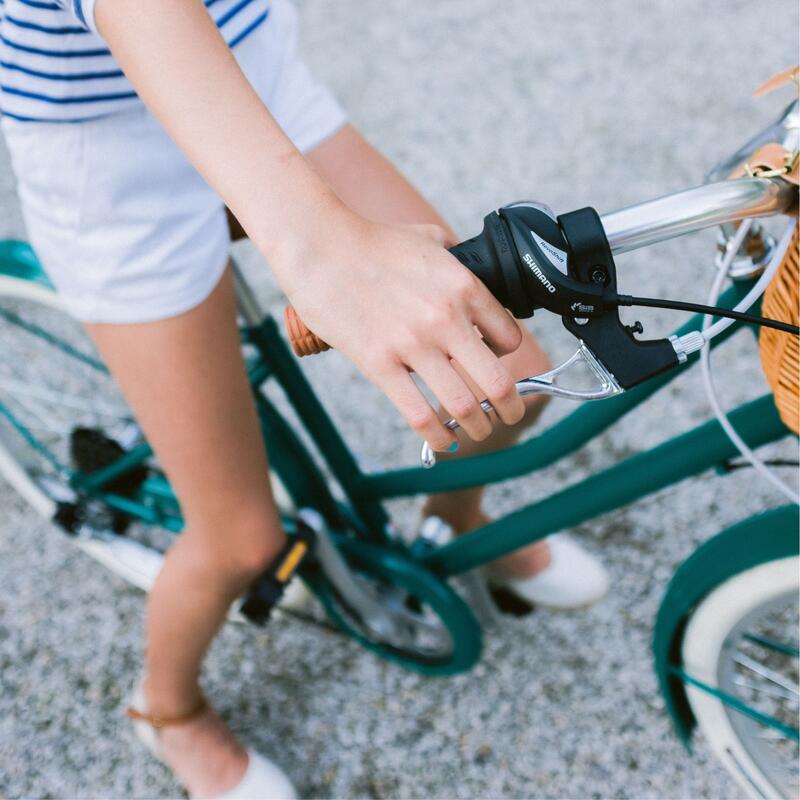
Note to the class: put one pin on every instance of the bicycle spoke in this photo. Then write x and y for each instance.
(779, 647)
(773, 735)
(55, 341)
(42, 421)
(35, 444)
(766, 673)
(19, 388)
(767, 689)
(757, 670)
(51, 382)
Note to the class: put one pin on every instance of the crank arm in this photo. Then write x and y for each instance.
(546, 384)
(373, 615)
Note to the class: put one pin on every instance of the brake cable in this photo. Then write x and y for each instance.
(699, 308)
(761, 466)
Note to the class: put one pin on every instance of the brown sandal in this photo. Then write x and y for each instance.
(146, 725)
(164, 722)
(262, 778)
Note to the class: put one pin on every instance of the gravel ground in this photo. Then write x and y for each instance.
(481, 103)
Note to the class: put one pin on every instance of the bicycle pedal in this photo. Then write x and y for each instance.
(272, 587)
(91, 449)
(90, 517)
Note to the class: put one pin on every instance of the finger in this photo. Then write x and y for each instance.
(491, 376)
(398, 386)
(500, 330)
(455, 395)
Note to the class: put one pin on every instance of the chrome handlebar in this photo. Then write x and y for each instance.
(717, 202)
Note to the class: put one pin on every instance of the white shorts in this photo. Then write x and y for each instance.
(123, 224)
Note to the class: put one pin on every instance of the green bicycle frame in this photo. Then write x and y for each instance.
(360, 523)
(695, 451)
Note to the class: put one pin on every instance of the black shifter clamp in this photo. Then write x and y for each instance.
(630, 360)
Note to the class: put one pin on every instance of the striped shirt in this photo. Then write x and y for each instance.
(55, 67)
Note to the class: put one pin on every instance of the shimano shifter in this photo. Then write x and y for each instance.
(523, 258)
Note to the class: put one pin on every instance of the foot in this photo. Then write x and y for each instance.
(206, 757)
(572, 579)
(555, 572)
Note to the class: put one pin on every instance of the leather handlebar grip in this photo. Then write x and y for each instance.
(304, 342)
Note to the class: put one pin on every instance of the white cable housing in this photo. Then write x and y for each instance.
(709, 333)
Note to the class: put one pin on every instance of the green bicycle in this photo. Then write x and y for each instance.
(725, 642)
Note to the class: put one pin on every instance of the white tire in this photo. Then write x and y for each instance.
(709, 643)
(12, 466)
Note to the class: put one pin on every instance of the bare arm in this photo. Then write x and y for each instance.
(392, 299)
(187, 76)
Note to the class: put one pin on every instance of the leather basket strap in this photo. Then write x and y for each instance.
(791, 74)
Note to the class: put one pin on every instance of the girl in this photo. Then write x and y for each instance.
(131, 124)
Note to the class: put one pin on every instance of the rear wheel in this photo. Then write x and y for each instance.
(742, 640)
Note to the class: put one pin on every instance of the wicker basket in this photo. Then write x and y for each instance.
(780, 354)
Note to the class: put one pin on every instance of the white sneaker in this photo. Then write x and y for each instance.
(573, 579)
(262, 779)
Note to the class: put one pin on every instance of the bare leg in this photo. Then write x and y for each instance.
(369, 183)
(185, 381)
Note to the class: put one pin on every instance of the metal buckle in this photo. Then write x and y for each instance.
(790, 160)
(546, 384)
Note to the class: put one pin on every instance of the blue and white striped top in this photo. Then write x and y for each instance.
(55, 67)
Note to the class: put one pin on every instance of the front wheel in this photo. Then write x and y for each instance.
(741, 643)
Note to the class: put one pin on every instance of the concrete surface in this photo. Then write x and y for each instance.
(481, 103)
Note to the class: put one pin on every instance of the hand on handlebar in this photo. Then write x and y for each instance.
(395, 301)
(425, 317)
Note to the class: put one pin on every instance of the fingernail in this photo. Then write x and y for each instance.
(453, 447)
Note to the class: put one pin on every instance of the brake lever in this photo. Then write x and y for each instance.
(545, 384)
